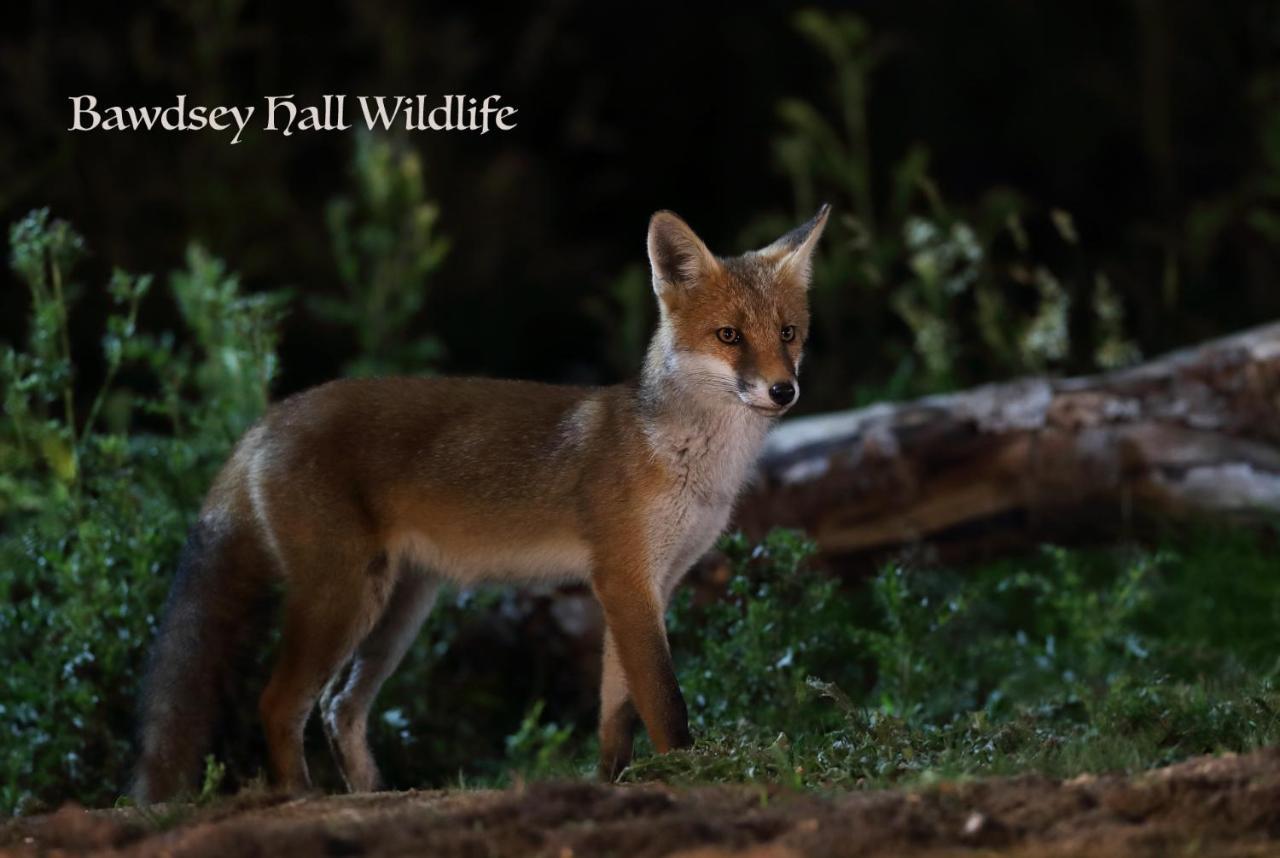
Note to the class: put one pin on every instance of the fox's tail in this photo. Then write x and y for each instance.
(208, 621)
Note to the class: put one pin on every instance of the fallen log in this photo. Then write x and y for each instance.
(1194, 433)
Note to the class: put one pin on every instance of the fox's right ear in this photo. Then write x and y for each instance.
(676, 254)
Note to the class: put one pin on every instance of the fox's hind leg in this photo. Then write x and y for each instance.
(347, 700)
(330, 607)
(617, 714)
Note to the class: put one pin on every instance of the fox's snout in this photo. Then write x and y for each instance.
(783, 393)
(775, 396)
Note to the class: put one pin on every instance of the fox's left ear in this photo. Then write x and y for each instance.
(793, 253)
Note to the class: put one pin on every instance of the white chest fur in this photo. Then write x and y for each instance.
(710, 456)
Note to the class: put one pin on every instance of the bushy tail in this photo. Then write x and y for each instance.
(208, 620)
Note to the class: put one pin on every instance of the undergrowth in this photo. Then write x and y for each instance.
(92, 513)
(1062, 662)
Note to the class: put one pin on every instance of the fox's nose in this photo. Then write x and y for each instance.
(783, 392)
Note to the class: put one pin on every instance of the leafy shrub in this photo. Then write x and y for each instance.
(387, 247)
(1062, 662)
(748, 655)
(93, 516)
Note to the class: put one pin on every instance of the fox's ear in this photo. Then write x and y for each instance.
(676, 254)
(793, 253)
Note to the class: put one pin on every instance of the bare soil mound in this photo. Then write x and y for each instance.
(1211, 805)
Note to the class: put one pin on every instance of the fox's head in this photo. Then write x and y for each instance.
(731, 328)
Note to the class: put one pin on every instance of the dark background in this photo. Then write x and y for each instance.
(1133, 116)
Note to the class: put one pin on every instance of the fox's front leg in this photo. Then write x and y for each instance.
(638, 675)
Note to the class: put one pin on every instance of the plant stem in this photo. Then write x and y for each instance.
(68, 395)
(112, 369)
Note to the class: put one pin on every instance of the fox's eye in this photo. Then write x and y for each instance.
(788, 333)
(729, 335)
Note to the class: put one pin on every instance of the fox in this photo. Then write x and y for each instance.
(358, 499)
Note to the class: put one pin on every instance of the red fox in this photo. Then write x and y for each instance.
(362, 496)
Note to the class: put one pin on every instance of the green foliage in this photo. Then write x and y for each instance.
(903, 280)
(215, 773)
(236, 335)
(93, 517)
(39, 392)
(537, 749)
(387, 248)
(780, 616)
(1063, 662)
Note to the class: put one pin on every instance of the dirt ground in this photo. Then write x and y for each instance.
(1208, 806)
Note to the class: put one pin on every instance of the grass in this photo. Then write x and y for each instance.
(1063, 662)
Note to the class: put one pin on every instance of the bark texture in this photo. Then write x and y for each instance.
(1193, 433)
